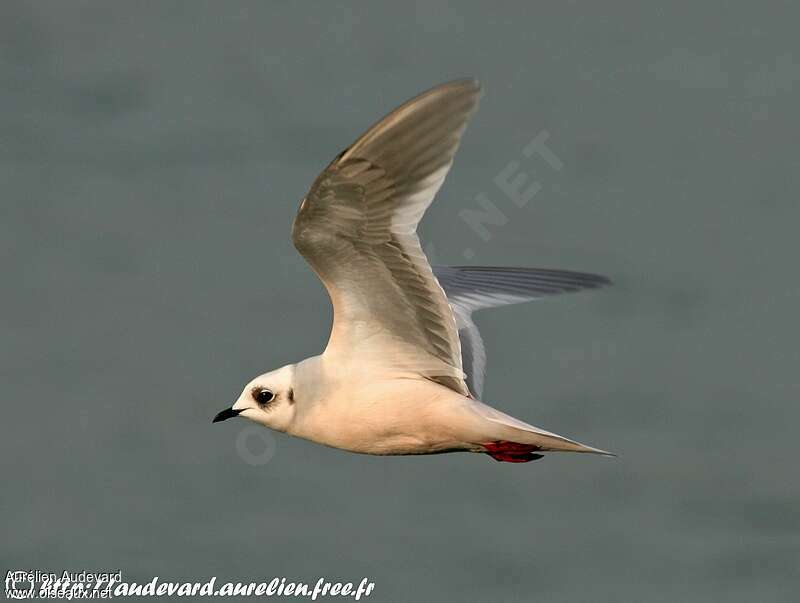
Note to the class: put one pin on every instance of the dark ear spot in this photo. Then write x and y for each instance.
(291, 396)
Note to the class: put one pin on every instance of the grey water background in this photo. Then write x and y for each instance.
(152, 156)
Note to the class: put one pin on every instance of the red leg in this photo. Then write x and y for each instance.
(512, 452)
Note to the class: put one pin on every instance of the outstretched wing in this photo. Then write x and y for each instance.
(357, 230)
(472, 288)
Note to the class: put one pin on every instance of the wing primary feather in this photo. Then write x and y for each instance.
(472, 288)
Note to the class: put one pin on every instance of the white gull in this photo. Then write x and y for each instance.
(404, 365)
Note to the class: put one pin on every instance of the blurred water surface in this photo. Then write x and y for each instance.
(152, 157)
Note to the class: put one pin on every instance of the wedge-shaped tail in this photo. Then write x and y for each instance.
(514, 431)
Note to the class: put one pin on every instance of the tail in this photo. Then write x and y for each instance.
(518, 442)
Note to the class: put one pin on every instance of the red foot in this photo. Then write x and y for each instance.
(512, 452)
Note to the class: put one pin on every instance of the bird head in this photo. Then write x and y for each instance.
(268, 399)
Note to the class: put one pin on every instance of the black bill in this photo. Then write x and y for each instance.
(223, 415)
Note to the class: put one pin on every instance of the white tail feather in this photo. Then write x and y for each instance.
(523, 433)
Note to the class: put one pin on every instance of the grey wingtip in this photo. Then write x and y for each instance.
(600, 282)
(469, 83)
(604, 281)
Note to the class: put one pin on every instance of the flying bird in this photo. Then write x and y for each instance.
(403, 369)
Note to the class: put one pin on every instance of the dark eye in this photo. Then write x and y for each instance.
(263, 395)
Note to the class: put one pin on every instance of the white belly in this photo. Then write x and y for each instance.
(396, 416)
